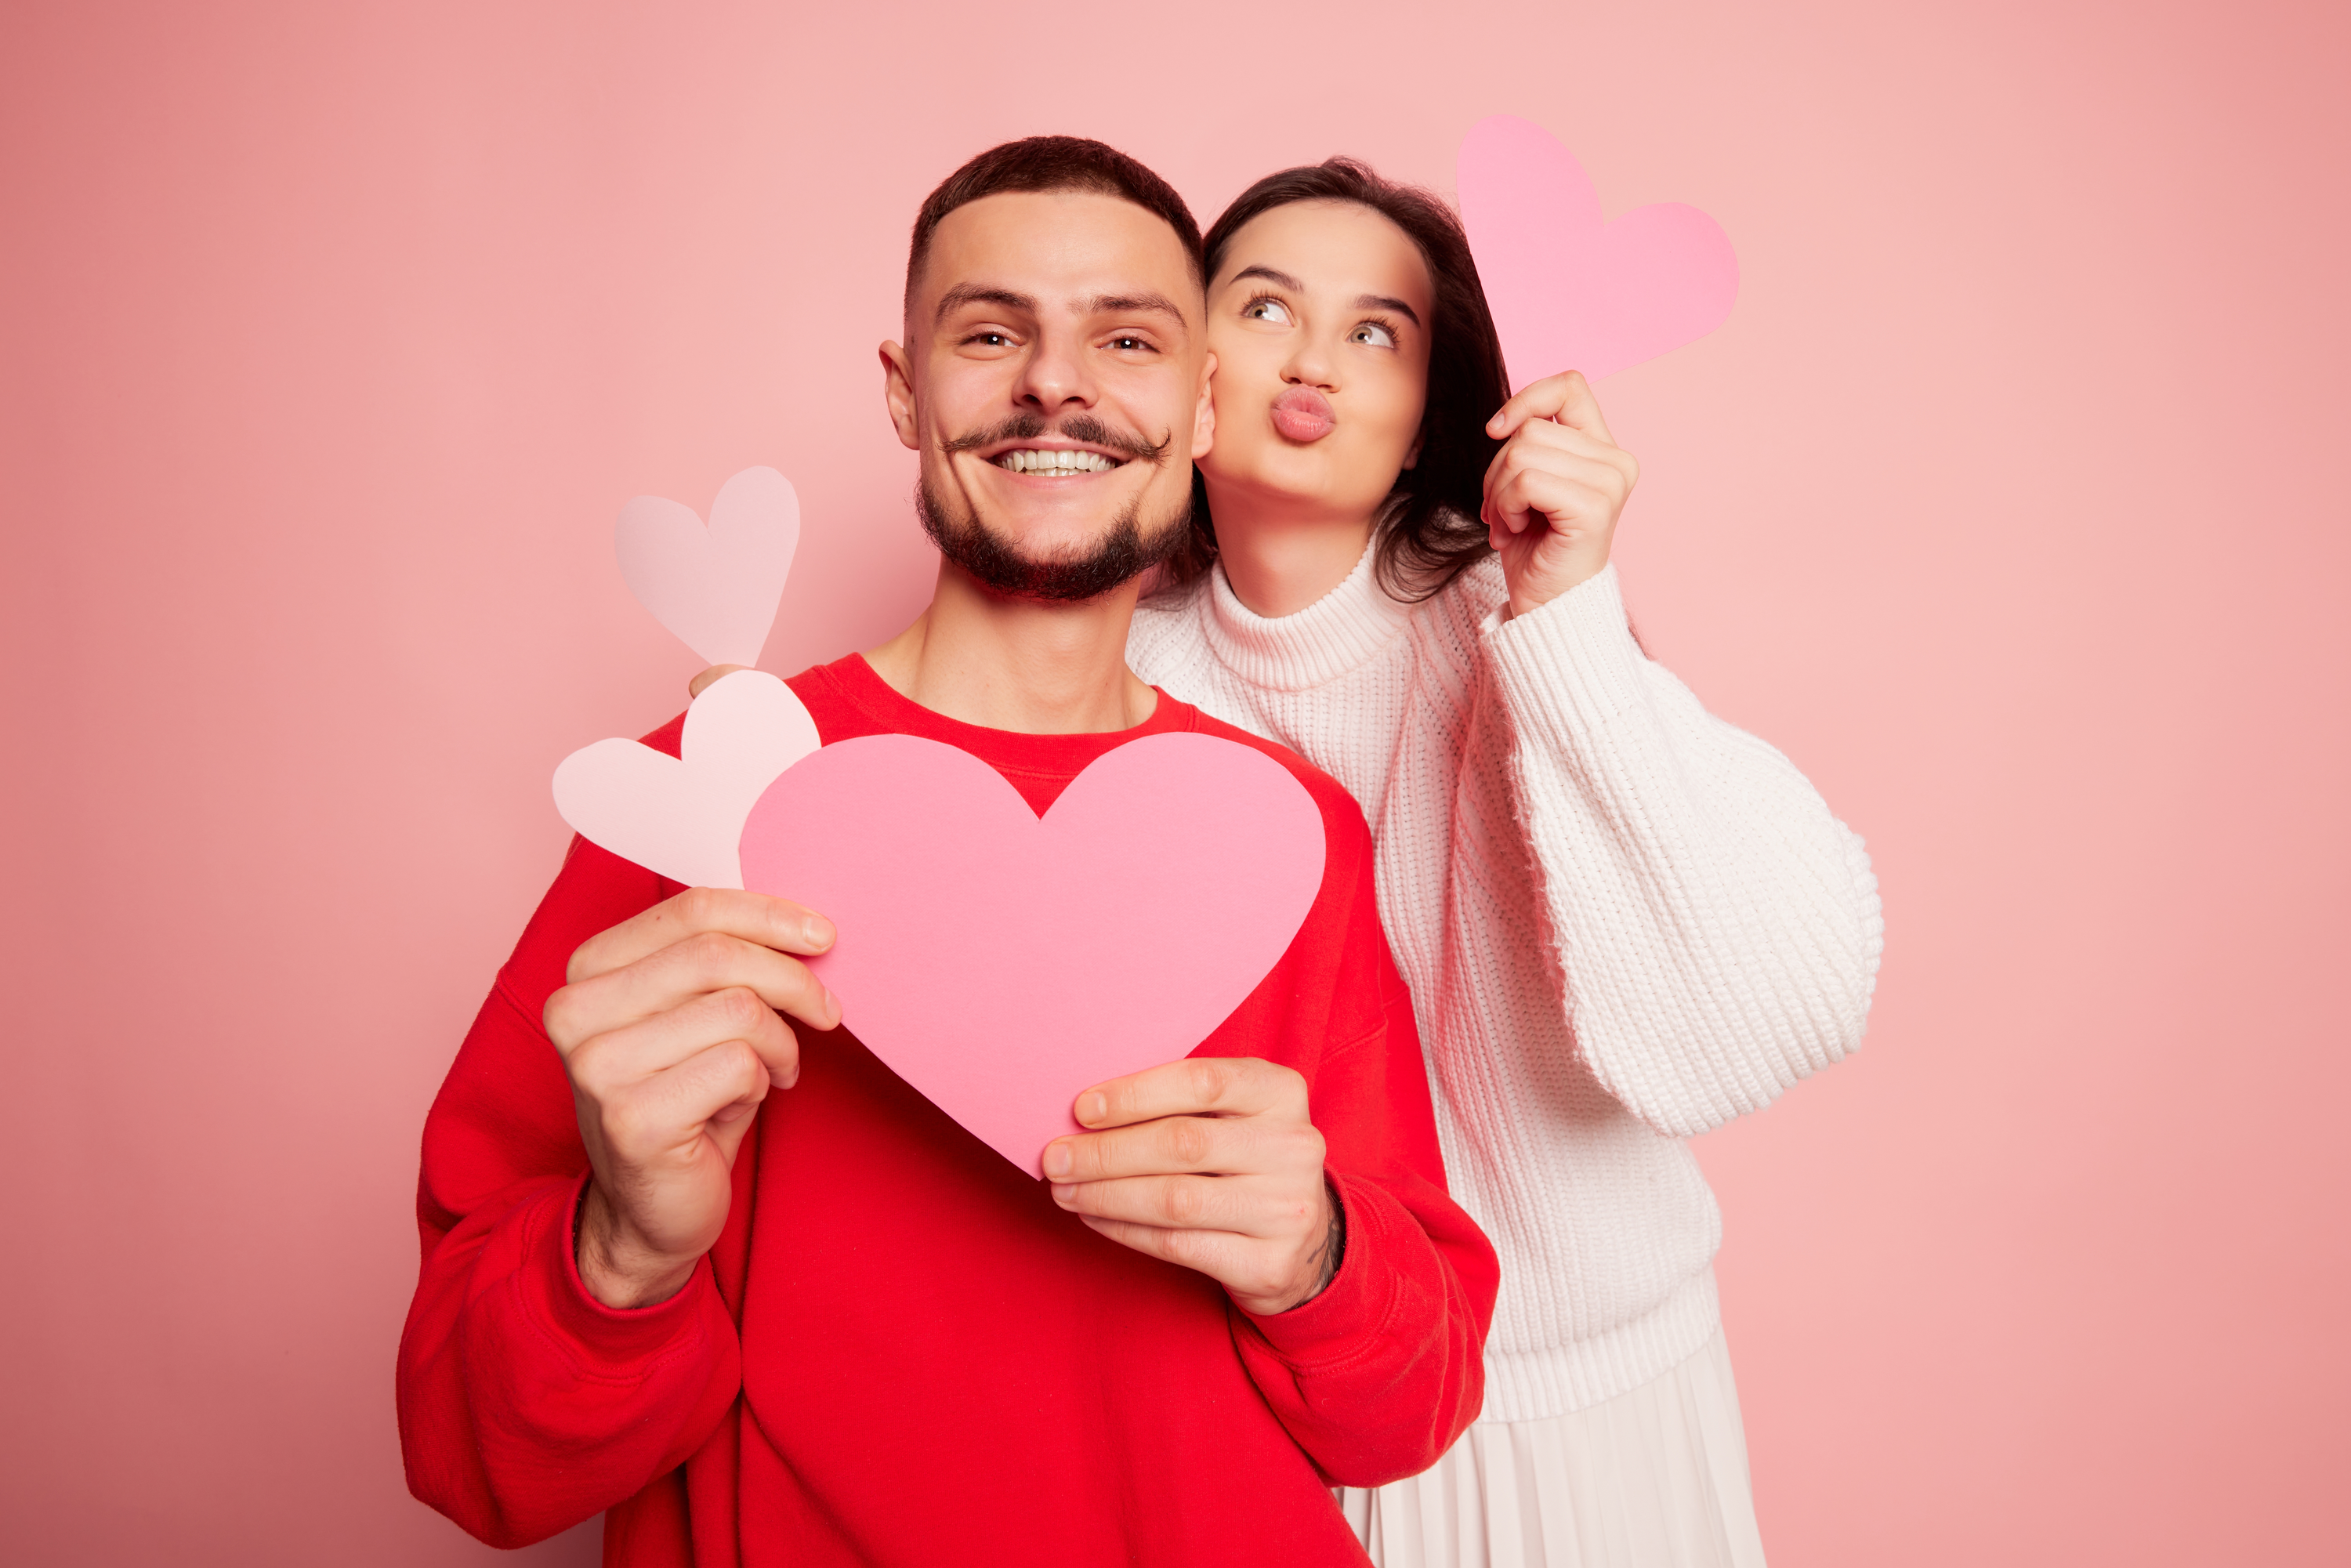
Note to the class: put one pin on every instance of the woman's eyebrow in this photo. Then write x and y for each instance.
(1382, 302)
(1278, 279)
(1362, 301)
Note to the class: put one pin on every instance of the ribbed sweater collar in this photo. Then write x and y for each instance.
(1340, 632)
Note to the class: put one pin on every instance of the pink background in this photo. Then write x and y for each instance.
(2010, 502)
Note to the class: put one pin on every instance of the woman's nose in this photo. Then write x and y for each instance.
(1311, 367)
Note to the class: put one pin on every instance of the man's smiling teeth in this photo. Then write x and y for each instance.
(1024, 461)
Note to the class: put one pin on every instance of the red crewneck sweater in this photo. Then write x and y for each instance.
(902, 1350)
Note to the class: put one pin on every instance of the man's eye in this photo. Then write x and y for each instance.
(991, 340)
(1373, 333)
(1126, 344)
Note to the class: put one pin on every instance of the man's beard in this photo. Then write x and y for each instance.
(1127, 550)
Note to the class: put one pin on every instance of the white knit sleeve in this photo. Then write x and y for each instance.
(1716, 931)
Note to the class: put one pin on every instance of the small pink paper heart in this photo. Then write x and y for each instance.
(1000, 961)
(682, 816)
(1568, 291)
(715, 587)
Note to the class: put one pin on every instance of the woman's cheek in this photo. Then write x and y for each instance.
(1240, 390)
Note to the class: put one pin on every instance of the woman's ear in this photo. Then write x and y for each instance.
(1412, 457)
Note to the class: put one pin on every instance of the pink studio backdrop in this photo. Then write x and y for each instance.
(2009, 503)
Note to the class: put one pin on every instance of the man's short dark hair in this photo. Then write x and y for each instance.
(1055, 163)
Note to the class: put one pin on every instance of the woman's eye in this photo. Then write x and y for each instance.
(1265, 309)
(1373, 333)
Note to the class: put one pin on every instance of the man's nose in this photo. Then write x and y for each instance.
(1055, 375)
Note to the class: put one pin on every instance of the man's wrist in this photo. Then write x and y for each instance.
(618, 1271)
(1330, 1251)
(1334, 1243)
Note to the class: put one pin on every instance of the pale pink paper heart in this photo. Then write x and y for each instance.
(715, 587)
(682, 816)
(1002, 963)
(1568, 291)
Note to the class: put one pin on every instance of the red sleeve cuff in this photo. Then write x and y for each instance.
(608, 1340)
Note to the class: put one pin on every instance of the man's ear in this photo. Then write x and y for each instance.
(898, 391)
(1204, 413)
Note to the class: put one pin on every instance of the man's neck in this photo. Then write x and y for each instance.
(1029, 665)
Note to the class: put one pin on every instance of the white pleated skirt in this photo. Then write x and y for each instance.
(1656, 1477)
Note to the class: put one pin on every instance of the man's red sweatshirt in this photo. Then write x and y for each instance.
(902, 1350)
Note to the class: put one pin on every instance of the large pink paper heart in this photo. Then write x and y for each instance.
(1002, 963)
(682, 816)
(1568, 291)
(715, 587)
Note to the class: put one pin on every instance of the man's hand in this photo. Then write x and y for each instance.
(1211, 1163)
(669, 1030)
(1554, 490)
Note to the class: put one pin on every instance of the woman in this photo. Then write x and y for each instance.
(1623, 920)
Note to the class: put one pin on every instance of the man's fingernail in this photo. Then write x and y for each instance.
(819, 932)
(1061, 1192)
(831, 1006)
(1057, 1160)
(1092, 1107)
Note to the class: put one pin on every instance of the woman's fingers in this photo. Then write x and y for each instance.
(1566, 399)
(1534, 440)
(1552, 446)
(1563, 497)
(697, 686)
(1537, 400)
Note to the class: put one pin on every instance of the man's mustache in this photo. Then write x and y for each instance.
(1082, 428)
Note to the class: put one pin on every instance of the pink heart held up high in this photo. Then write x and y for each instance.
(715, 587)
(1568, 291)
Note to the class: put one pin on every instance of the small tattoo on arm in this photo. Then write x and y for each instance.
(1334, 1249)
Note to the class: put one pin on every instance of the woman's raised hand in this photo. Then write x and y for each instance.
(694, 687)
(1554, 491)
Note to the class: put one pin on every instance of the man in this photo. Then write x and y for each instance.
(734, 1282)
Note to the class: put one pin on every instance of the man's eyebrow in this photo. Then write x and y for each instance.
(1382, 302)
(1132, 304)
(963, 294)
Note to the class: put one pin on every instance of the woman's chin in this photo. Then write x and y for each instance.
(1299, 480)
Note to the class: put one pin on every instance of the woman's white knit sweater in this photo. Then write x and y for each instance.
(1624, 922)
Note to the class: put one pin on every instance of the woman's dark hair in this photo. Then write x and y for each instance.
(1429, 533)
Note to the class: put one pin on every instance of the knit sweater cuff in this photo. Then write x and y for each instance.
(1570, 665)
